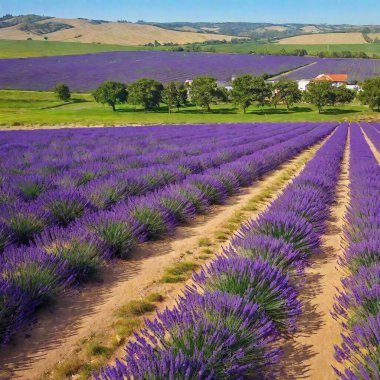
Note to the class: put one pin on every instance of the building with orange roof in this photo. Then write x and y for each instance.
(335, 79)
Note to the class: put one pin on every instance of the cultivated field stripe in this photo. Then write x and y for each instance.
(311, 353)
(76, 317)
(374, 150)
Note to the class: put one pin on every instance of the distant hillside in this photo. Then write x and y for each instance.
(265, 31)
(96, 31)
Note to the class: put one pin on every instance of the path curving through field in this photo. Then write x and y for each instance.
(309, 354)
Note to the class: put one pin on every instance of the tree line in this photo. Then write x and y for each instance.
(245, 90)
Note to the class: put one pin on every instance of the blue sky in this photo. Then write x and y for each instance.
(277, 11)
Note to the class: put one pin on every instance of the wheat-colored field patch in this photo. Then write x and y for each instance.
(325, 38)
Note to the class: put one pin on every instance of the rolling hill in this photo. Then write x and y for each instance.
(96, 31)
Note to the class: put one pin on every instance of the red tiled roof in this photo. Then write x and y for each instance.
(332, 77)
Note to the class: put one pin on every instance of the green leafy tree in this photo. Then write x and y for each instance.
(145, 92)
(261, 91)
(320, 94)
(111, 93)
(343, 95)
(370, 94)
(203, 91)
(62, 91)
(222, 95)
(286, 92)
(242, 91)
(174, 95)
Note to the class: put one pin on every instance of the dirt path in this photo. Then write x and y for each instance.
(76, 316)
(309, 354)
(375, 152)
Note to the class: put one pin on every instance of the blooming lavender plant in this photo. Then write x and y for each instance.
(358, 304)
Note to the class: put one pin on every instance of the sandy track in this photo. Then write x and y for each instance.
(309, 354)
(76, 316)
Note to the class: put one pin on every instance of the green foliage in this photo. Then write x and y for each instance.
(370, 94)
(203, 91)
(31, 190)
(41, 282)
(83, 256)
(66, 210)
(118, 237)
(63, 92)
(319, 93)
(24, 227)
(262, 91)
(343, 95)
(152, 221)
(146, 92)
(178, 272)
(242, 91)
(135, 309)
(323, 93)
(174, 95)
(286, 92)
(111, 93)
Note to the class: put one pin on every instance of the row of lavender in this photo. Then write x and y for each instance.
(372, 130)
(358, 305)
(226, 323)
(34, 199)
(34, 273)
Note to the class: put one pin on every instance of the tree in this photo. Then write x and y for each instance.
(222, 95)
(242, 91)
(286, 92)
(146, 92)
(261, 91)
(174, 95)
(320, 94)
(370, 94)
(111, 93)
(343, 95)
(203, 91)
(62, 91)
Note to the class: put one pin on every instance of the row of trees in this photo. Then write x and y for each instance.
(246, 90)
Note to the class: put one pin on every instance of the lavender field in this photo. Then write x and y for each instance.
(86, 72)
(73, 202)
(70, 202)
(357, 69)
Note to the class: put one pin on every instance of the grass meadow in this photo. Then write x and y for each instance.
(25, 108)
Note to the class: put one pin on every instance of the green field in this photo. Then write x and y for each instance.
(247, 47)
(22, 49)
(28, 108)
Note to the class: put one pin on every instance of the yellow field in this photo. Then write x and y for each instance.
(325, 38)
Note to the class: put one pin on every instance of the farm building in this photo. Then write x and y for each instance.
(336, 79)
